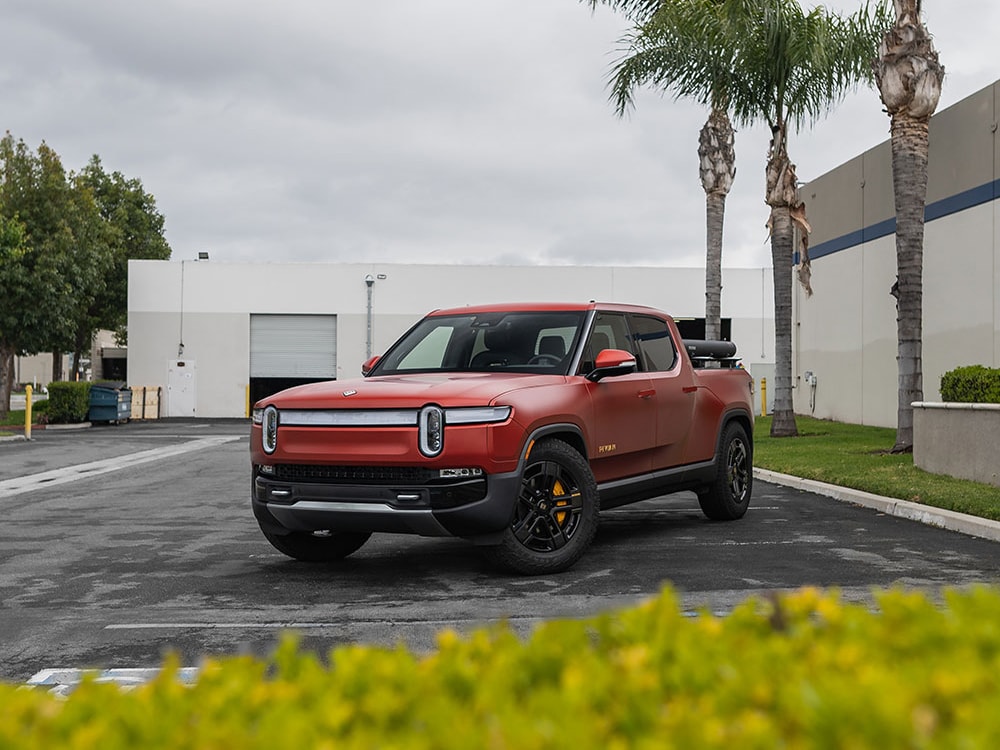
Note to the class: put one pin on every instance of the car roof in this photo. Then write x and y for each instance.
(543, 307)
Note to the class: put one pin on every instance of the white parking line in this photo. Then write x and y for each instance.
(293, 625)
(18, 485)
(61, 682)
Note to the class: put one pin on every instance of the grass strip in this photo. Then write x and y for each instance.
(858, 457)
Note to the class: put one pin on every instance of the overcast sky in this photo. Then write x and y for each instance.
(425, 131)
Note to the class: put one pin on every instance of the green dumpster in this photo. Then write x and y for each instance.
(110, 401)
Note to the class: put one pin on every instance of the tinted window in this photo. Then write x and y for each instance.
(610, 331)
(515, 341)
(655, 342)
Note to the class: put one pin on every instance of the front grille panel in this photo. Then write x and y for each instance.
(404, 475)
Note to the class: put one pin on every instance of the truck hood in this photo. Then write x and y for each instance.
(400, 391)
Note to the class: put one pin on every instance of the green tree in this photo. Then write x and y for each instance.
(909, 79)
(77, 236)
(91, 258)
(36, 296)
(13, 277)
(135, 231)
(686, 48)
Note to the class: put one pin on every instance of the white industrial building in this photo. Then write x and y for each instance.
(214, 335)
(844, 345)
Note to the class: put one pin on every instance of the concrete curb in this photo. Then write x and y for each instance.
(18, 430)
(945, 519)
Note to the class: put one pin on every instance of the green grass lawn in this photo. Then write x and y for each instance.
(858, 457)
(15, 418)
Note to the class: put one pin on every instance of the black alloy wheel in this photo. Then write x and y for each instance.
(555, 514)
(728, 497)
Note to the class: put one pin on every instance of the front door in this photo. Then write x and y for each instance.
(624, 407)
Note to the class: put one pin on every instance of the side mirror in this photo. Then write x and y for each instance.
(611, 363)
(369, 365)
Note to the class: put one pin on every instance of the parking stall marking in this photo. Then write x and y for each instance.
(31, 482)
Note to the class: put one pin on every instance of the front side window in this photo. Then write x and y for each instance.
(488, 342)
(610, 331)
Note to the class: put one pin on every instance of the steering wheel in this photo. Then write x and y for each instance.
(545, 359)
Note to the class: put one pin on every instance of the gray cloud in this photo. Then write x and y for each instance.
(438, 131)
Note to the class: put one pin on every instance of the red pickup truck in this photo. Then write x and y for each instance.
(508, 425)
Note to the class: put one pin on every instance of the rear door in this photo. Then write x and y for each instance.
(674, 385)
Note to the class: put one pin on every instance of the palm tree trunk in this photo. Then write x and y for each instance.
(782, 241)
(715, 210)
(782, 197)
(717, 168)
(909, 77)
(909, 169)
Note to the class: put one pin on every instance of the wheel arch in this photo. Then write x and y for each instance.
(741, 417)
(568, 432)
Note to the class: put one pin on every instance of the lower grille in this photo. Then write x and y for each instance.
(410, 475)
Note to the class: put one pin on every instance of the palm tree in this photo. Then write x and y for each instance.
(789, 68)
(797, 66)
(669, 47)
(909, 78)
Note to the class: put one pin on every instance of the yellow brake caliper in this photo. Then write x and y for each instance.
(558, 491)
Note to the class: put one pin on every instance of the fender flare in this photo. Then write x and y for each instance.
(734, 414)
(578, 441)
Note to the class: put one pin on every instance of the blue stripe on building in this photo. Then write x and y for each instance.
(945, 207)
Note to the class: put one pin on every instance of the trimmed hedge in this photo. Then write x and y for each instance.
(972, 384)
(69, 401)
(803, 670)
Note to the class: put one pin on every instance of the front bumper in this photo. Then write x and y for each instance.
(466, 508)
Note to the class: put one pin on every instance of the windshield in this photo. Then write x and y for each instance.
(488, 342)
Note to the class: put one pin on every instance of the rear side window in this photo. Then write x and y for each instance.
(655, 343)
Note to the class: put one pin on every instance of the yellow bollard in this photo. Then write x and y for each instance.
(246, 397)
(27, 412)
(763, 397)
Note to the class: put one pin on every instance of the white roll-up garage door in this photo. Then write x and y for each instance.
(293, 346)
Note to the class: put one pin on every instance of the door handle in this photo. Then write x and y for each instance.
(689, 388)
(648, 393)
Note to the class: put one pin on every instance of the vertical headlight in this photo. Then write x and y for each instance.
(431, 427)
(269, 437)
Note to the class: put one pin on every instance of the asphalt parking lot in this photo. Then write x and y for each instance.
(122, 543)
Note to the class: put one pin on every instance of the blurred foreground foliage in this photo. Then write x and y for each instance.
(802, 670)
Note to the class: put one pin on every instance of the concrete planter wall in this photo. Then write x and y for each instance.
(960, 440)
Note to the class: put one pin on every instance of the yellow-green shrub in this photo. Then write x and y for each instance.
(803, 670)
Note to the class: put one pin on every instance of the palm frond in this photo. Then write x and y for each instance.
(684, 49)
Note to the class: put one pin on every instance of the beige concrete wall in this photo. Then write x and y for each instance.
(846, 333)
(961, 139)
(959, 440)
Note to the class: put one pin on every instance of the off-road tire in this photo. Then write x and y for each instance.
(728, 496)
(555, 514)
